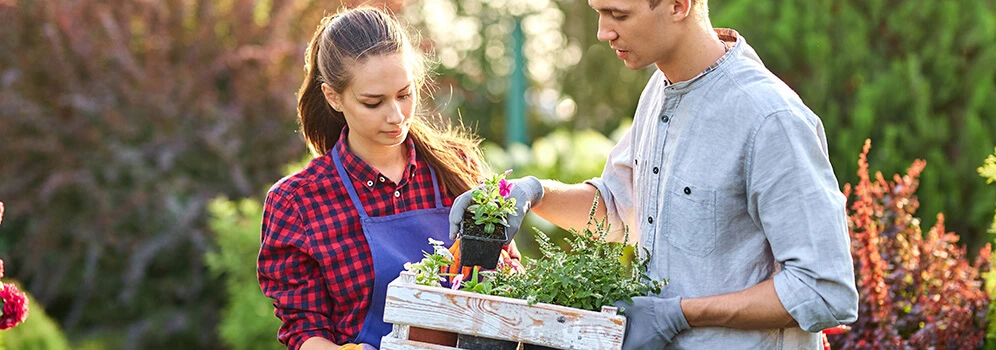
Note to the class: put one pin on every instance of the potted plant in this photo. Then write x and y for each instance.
(482, 232)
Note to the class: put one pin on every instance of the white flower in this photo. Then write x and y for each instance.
(435, 242)
(439, 250)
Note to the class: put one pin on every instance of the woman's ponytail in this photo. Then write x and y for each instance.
(320, 124)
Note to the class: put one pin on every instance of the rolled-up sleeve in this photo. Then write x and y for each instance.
(288, 275)
(616, 187)
(794, 196)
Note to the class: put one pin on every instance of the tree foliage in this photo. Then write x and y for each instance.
(247, 320)
(120, 121)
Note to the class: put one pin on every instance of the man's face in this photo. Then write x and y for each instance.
(634, 30)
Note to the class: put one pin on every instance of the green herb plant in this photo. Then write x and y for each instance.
(476, 284)
(592, 274)
(428, 270)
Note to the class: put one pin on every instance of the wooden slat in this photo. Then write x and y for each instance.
(399, 331)
(391, 343)
(502, 318)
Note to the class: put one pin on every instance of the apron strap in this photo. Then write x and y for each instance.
(352, 190)
(435, 187)
(349, 183)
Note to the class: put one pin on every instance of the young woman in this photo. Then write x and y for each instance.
(335, 233)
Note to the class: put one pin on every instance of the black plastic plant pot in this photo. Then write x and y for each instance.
(477, 246)
(465, 341)
(535, 347)
(480, 251)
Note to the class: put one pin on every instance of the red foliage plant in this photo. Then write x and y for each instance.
(917, 291)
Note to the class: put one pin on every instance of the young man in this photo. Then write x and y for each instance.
(725, 178)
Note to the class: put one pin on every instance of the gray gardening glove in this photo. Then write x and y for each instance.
(652, 322)
(527, 191)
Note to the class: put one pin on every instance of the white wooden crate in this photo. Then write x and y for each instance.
(409, 304)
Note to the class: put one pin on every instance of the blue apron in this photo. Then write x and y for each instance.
(393, 241)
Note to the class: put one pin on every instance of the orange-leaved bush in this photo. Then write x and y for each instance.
(917, 290)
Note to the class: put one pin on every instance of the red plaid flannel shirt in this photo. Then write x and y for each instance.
(314, 260)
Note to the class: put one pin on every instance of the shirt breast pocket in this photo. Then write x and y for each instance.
(691, 217)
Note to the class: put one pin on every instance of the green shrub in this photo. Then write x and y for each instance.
(988, 171)
(247, 321)
(37, 332)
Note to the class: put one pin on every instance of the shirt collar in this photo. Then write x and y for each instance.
(727, 37)
(359, 170)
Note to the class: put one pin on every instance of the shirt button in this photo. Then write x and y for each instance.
(397, 194)
(370, 183)
(656, 170)
(381, 179)
(650, 219)
(665, 118)
(688, 190)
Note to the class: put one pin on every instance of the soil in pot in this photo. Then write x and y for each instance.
(477, 247)
(471, 342)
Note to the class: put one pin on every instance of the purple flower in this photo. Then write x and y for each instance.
(456, 282)
(504, 188)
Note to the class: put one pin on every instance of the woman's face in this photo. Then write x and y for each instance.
(378, 103)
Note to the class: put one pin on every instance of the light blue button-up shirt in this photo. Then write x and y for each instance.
(727, 182)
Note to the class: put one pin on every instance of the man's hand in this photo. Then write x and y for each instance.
(652, 322)
(527, 192)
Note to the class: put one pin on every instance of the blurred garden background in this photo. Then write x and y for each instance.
(137, 139)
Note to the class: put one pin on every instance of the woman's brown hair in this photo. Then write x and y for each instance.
(351, 36)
